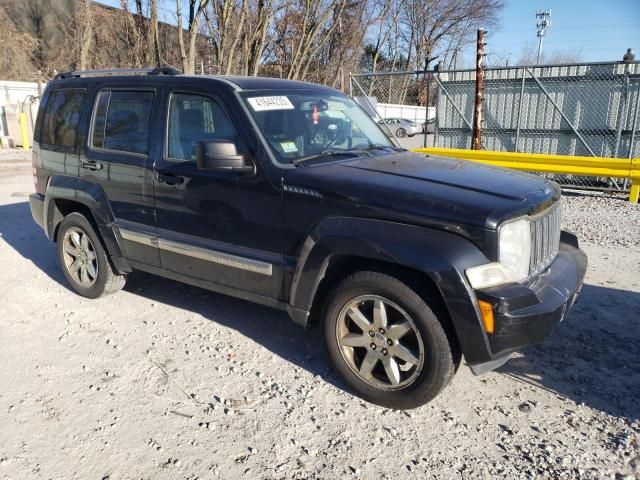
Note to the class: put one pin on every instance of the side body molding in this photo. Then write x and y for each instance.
(91, 195)
(440, 255)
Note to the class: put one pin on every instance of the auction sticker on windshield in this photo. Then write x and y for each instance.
(262, 104)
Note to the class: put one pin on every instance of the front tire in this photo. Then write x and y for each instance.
(385, 341)
(83, 259)
(401, 132)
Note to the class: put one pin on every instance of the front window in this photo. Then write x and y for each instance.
(299, 124)
(193, 119)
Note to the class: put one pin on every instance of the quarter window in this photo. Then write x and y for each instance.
(193, 119)
(121, 121)
(62, 118)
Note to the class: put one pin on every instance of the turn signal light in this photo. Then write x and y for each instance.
(486, 309)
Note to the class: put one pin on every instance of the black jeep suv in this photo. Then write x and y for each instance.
(287, 194)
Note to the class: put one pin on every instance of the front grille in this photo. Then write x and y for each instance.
(545, 239)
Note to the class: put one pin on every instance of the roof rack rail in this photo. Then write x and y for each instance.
(118, 71)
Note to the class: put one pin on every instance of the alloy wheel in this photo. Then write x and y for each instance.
(380, 342)
(80, 257)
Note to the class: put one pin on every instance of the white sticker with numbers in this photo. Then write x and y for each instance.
(262, 104)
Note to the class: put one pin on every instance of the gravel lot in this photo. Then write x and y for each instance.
(164, 380)
(605, 219)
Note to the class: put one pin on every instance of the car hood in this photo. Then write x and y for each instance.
(446, 189)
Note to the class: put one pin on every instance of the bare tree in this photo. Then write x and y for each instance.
(260, 16)
(154, 43)
(343, 51)
(83, 33)
(389, 11)
(134, 35)
(225, 23)
(183, 51)
(196, 12)
(302, 30)
(429, 25)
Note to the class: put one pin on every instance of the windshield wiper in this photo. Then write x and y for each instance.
(349, 151)
(324, 153)
(377, 146)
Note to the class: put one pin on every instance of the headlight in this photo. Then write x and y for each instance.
(514, 256)
(515, 247)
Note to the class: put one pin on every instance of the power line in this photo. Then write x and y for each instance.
(556, 42)
(573, 27)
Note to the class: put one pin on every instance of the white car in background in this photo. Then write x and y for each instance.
(401, 127)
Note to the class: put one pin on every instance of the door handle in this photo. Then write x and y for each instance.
(91, 165)
(169, 178)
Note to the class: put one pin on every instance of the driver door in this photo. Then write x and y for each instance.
(219, 227)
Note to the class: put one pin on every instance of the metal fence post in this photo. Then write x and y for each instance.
(634, 125)
(436, 124)
(524, 76)
(621, 116)
(426, 115)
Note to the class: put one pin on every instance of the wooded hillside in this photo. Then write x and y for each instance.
(316, 40)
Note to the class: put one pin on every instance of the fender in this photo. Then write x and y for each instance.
(91, 195)
(440, 255)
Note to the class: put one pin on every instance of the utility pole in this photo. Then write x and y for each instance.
(545, 21)
(476, 139)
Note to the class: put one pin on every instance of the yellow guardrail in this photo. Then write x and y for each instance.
(565, 164)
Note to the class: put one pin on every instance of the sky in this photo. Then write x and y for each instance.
(599, 30)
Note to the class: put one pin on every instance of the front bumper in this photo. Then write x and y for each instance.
(526, 314)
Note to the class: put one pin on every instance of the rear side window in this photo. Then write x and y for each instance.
(62, 118)
(121, 121)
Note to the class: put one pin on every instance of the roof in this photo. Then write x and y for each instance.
(171, 75)
(270, 83)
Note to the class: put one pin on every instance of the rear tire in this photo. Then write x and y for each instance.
(84, 260)
(385, 341)
(401, 132)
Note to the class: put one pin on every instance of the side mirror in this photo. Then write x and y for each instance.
(220, 156)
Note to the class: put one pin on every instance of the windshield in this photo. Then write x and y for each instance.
(300, 124)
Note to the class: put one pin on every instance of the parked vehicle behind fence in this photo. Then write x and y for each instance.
(401, 127)
(289, 195)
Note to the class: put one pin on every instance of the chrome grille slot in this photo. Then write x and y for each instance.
(545, 239)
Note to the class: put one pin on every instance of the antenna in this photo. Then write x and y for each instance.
(542, 25)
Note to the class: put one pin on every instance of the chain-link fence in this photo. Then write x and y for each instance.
(580, 109)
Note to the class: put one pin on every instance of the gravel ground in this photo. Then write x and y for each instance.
(166, 381)
(605, 219)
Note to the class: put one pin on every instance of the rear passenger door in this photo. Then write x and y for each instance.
(119, 158)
